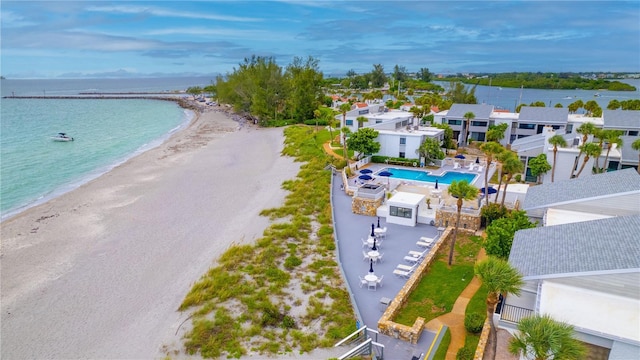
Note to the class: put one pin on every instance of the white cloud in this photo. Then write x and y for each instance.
(135, 10)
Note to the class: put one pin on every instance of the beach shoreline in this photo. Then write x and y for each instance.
(100, 271)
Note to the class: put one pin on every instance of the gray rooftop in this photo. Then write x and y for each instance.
(592, 247)
(547, 115)
(621, 119)
(600, 185)
(481, 111)
(537, 141)
(628, 154)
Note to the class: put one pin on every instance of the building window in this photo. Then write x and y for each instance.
(479, 123)
(400, 212)
(349, 123)
(403, 141)
(455, 122)
(401, 155)
(633, 132)
(527, 126)
(569, 128)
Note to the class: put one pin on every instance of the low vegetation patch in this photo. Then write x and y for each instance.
(284, 293)
(441, 286)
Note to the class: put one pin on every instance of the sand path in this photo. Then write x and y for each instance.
(99, 272)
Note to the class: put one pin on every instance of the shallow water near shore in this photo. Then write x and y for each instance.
(35, 169)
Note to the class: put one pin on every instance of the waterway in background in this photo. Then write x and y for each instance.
(107, 132)
(509, 98)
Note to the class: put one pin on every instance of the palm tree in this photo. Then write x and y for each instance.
(612, 137)
(361, 120)
(461, 190)
(636, 146)
(598, 134)
(499, 277)
(585, 129)
(500, 158)
(541, 337)
(590, 150)
(510, 166)
(344, 108)
(489, 149)
(556, 140)
(469, 116)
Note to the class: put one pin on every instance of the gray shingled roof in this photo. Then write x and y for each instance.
(546, 115)
(537, 140)
(628, 154)
(598, 246)
(481, 111)
(621, 119)
(609, 183)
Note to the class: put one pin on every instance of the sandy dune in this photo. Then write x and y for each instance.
(99, 272)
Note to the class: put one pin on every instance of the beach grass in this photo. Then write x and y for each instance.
(440, 287)
(284, 292)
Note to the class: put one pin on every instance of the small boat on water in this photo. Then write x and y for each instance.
(62, 137)
(596, 94)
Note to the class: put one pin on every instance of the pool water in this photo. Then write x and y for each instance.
(418, 175)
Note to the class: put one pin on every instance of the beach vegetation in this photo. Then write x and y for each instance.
(284, 292)
(540, 337)
(538, 80)
(500, 232)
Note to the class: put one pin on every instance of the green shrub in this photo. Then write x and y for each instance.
(518, 177)
(464, 353)
(492, 212)
(291, 262)
(474, 322)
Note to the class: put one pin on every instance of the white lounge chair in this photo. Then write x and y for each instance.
(404, 267)
(401, 273)
(415, 253)
(423, 244)
(412, 259)
(471, 166)
(456, 165)
(480, 168)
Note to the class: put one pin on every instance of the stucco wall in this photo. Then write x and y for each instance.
(593, 310)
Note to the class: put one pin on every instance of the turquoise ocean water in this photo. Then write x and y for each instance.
(34, 169)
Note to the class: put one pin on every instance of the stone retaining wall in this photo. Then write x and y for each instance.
(468, 222)
(364, 206)
(482, 343)
(410, 333)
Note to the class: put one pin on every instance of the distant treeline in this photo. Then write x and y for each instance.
(560, 81)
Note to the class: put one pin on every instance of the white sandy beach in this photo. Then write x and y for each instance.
(99, 272)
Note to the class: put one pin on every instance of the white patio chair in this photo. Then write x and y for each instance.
(365, 256)
(364, 243)
(379, 259)
(480, 168)
(379, 281)
(456, 165)
(363, 282)
(471, 166)
(372, 285)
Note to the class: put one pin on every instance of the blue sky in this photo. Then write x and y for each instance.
(159, 38)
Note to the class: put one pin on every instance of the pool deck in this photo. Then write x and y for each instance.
(351, 228)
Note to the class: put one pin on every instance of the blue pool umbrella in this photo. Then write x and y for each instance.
(365, 177)
(372, 233)
(436, 183)
(459, 156)
(378, 222)
(374, 248)
(477, 160)
(385, 173)
(490, 189)
(371, 266)
(366, 171)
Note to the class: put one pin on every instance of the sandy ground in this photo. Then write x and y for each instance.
(99, 272)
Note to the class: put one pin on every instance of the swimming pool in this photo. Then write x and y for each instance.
(419, 175)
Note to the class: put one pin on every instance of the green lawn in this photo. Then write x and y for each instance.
(441, 286)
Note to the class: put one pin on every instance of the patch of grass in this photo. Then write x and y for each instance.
(441, 353)
(441, 286)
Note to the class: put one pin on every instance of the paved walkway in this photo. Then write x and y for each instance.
(329, 150)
